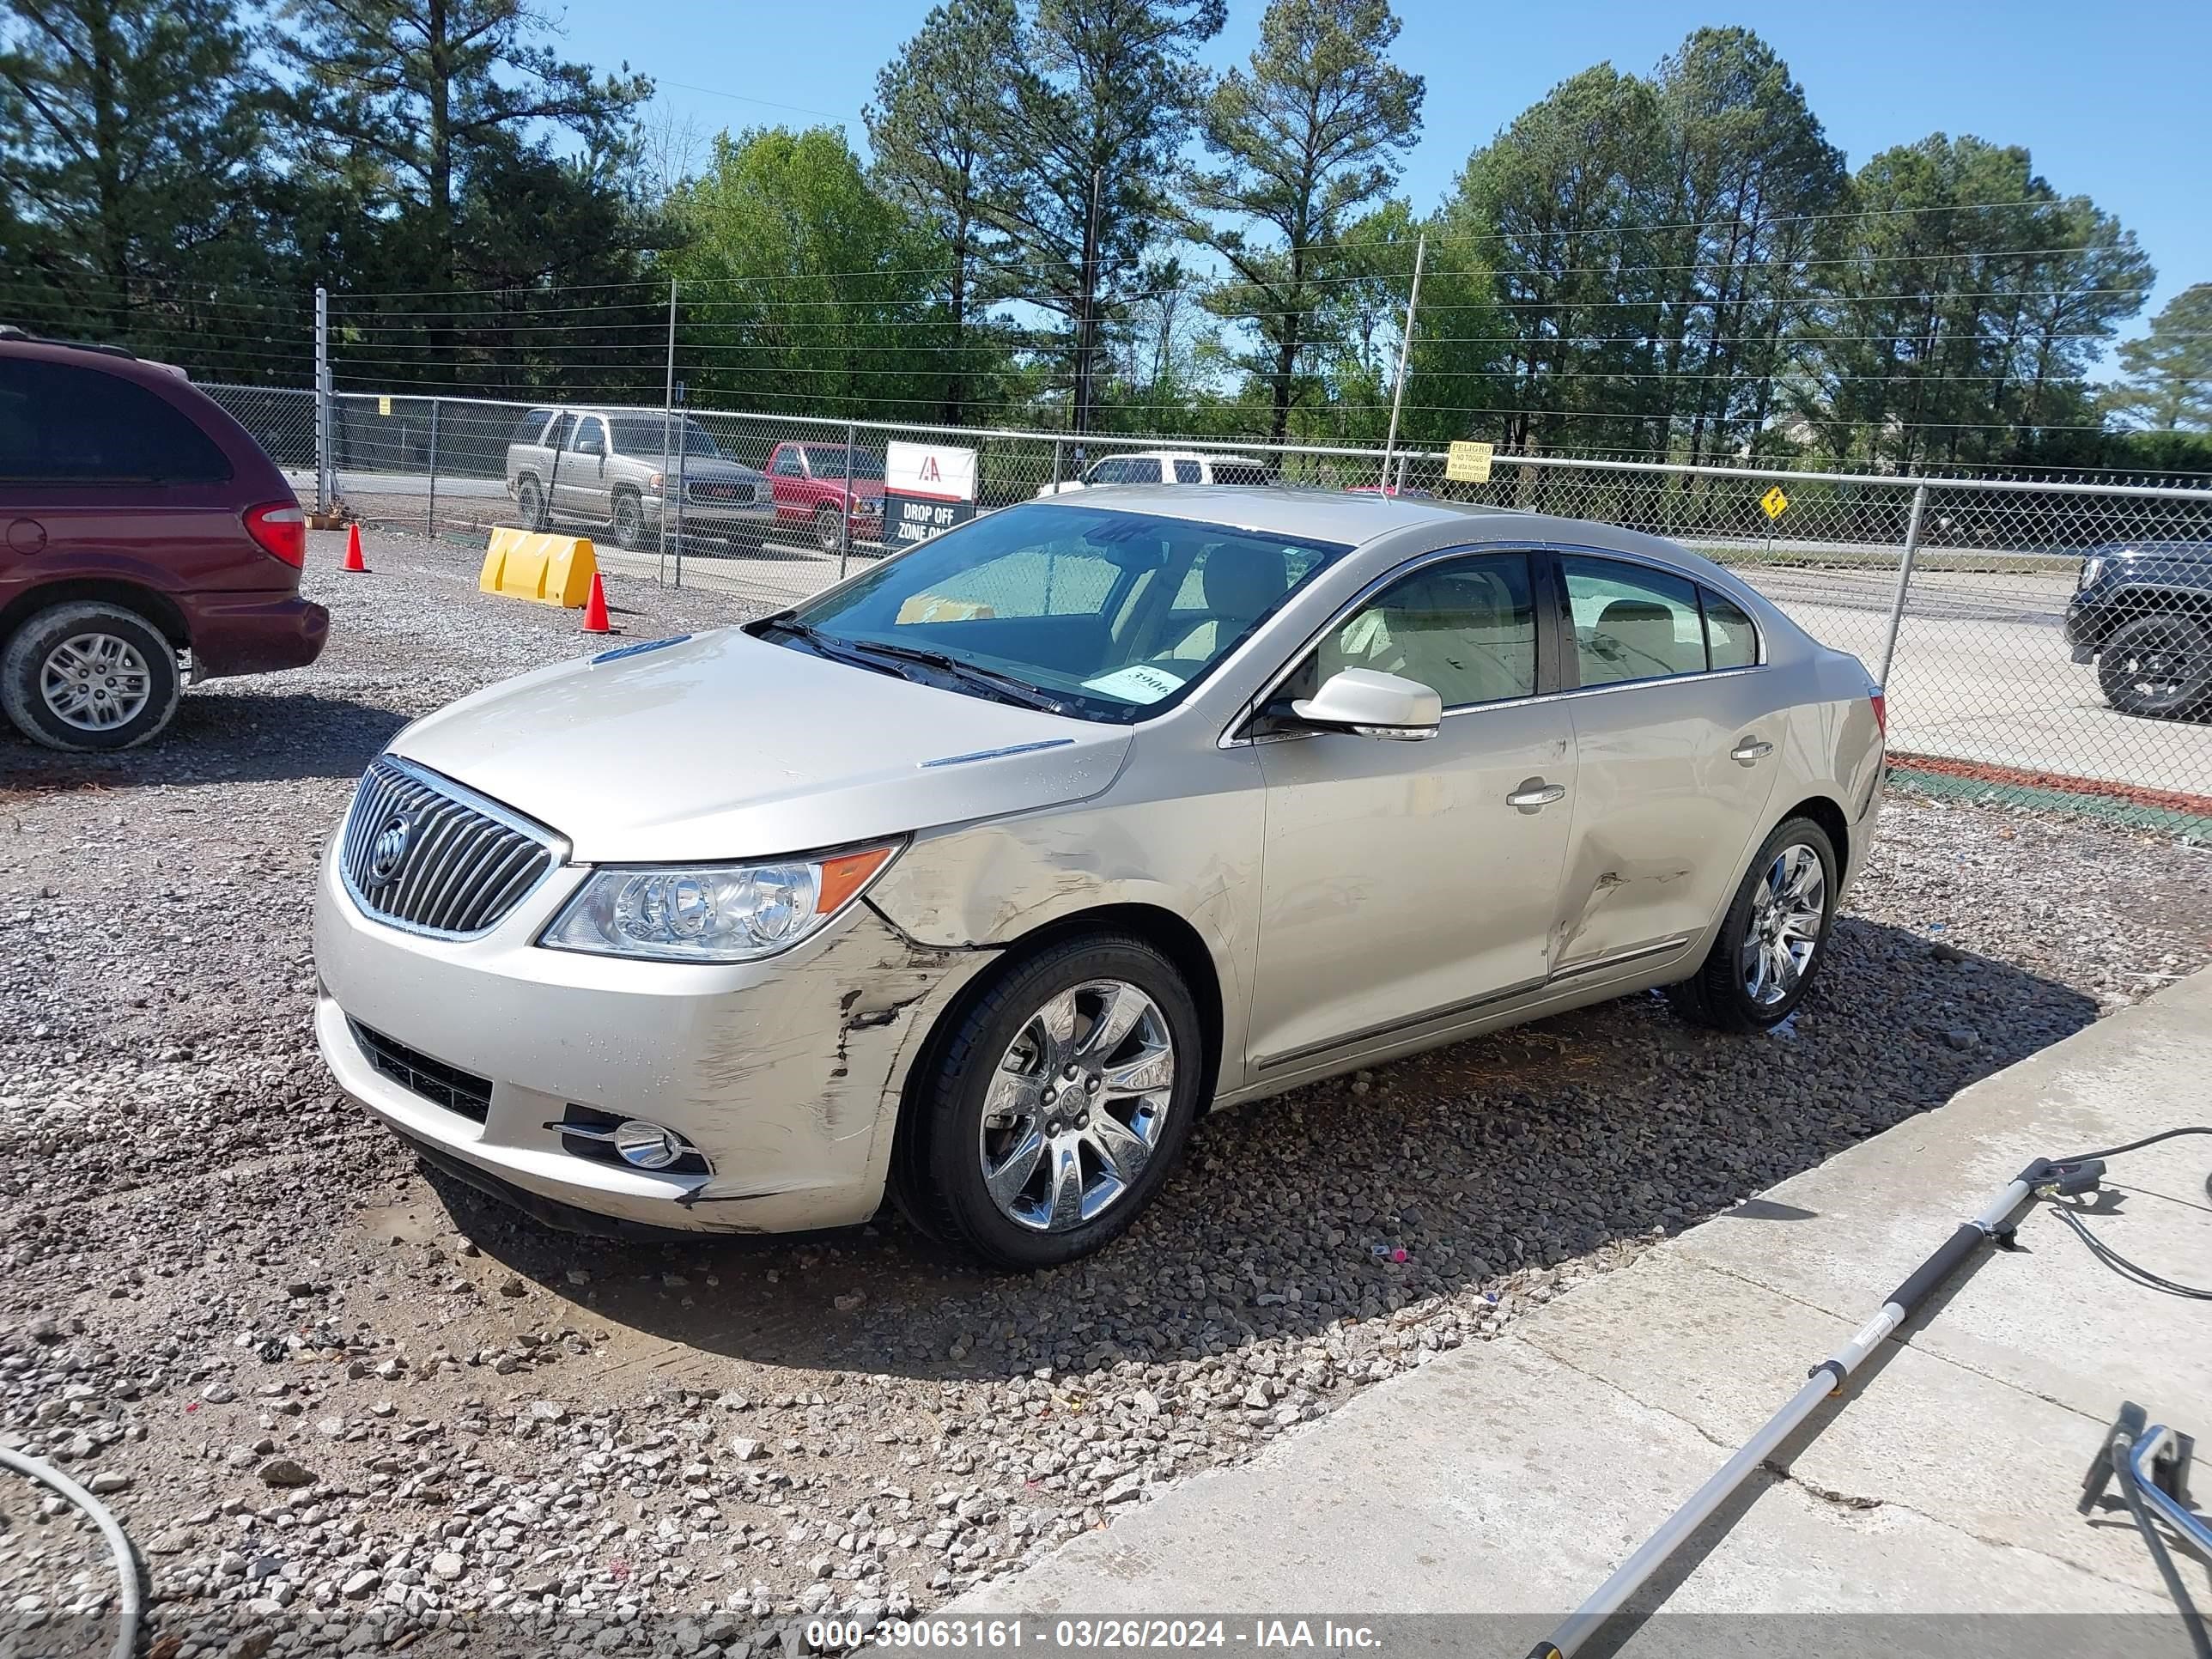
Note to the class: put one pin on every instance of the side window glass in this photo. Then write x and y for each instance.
(66, 424)
(1731, 638)
(1188, 472)
(1632, 623)
(787, 465)
(589, 428)
(1466, 628)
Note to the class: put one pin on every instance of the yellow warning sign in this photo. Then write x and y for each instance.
(1469, 462)
(1774, 502)
(384, 405)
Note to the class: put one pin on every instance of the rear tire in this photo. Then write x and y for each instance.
(1773, 938)
(2159, 667)
(90, 676)
(998, 1084)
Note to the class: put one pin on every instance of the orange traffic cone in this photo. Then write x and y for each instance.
(595, 608)
(354, 562)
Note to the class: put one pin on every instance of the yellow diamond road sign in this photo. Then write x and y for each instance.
(1774, 502)
(1468, 463)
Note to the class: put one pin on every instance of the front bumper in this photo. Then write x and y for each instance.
(710, 518)
(252, 633)
(786, 1074)
(2085, 631)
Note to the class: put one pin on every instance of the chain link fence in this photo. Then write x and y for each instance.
(2041, 641)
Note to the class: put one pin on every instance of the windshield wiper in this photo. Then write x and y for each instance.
(878, 655)
(832, 646)
(1004, 686)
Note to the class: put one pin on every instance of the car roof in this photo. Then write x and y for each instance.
(1328, 515)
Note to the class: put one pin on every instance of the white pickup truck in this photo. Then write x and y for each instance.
(1178, 466)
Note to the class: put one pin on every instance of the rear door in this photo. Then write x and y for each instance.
(1407, 884)
(1676, 727)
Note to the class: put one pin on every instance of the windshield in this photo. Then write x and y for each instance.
(828, 461)
(643, 436)
(1117, 615)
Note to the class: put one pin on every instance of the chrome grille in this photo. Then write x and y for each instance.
(716, 490)
(424, 854)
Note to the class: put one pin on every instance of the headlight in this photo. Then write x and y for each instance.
(711, 912)
(2092, 568)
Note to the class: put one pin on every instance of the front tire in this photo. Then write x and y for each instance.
(1051, 1114)
(1773, 938)
(2157, 666)
(629, 521)
(90, 677)
(529, 504)
(827, 529)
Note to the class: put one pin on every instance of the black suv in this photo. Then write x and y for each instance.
(2142, 613)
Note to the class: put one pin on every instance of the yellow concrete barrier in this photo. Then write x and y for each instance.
(536, 565)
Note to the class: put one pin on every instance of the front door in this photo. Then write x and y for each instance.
(581, 492)
(1407, 884)
(1675, 730)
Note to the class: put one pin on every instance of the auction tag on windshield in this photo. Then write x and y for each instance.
(1140, 682)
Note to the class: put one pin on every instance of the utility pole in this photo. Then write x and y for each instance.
(1405, 350)
(1086, 321)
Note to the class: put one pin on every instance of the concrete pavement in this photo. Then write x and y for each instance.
(1510, 1478)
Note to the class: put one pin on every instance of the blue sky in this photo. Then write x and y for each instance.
(2110, 99)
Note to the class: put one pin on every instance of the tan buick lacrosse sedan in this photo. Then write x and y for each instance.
(978, 878)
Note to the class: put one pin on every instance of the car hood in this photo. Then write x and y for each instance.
(720, 745)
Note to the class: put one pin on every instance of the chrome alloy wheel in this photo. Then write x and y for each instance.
(95, 682)
(1076, 1105)
(1786, 913)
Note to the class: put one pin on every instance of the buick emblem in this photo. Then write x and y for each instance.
(389, 850)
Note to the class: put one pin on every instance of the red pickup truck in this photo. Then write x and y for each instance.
(808, 482)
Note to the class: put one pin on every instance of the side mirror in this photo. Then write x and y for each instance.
(591, 445)
(1369, 704)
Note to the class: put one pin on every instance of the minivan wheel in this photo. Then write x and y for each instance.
(2159, 666)
(629, 521)
(88, 675)
(1773, 938)
(529, 503)
(1053, 1112)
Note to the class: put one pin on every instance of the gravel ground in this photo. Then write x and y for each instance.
(339, 1405)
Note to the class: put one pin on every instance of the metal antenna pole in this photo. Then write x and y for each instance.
(1827, 1378)
(1405, 350)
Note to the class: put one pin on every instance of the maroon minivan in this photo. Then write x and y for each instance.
(142, 530)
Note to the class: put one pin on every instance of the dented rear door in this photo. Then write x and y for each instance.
(1666, 813)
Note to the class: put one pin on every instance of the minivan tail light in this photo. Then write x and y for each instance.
(1880, 702)
(280, 530)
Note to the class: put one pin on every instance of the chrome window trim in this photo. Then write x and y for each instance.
(1229, 738)
(552, 841)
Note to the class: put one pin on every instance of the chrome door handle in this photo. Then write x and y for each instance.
(1536, 792)
(1751, 750)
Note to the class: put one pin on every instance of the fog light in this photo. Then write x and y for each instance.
(649, 1146)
